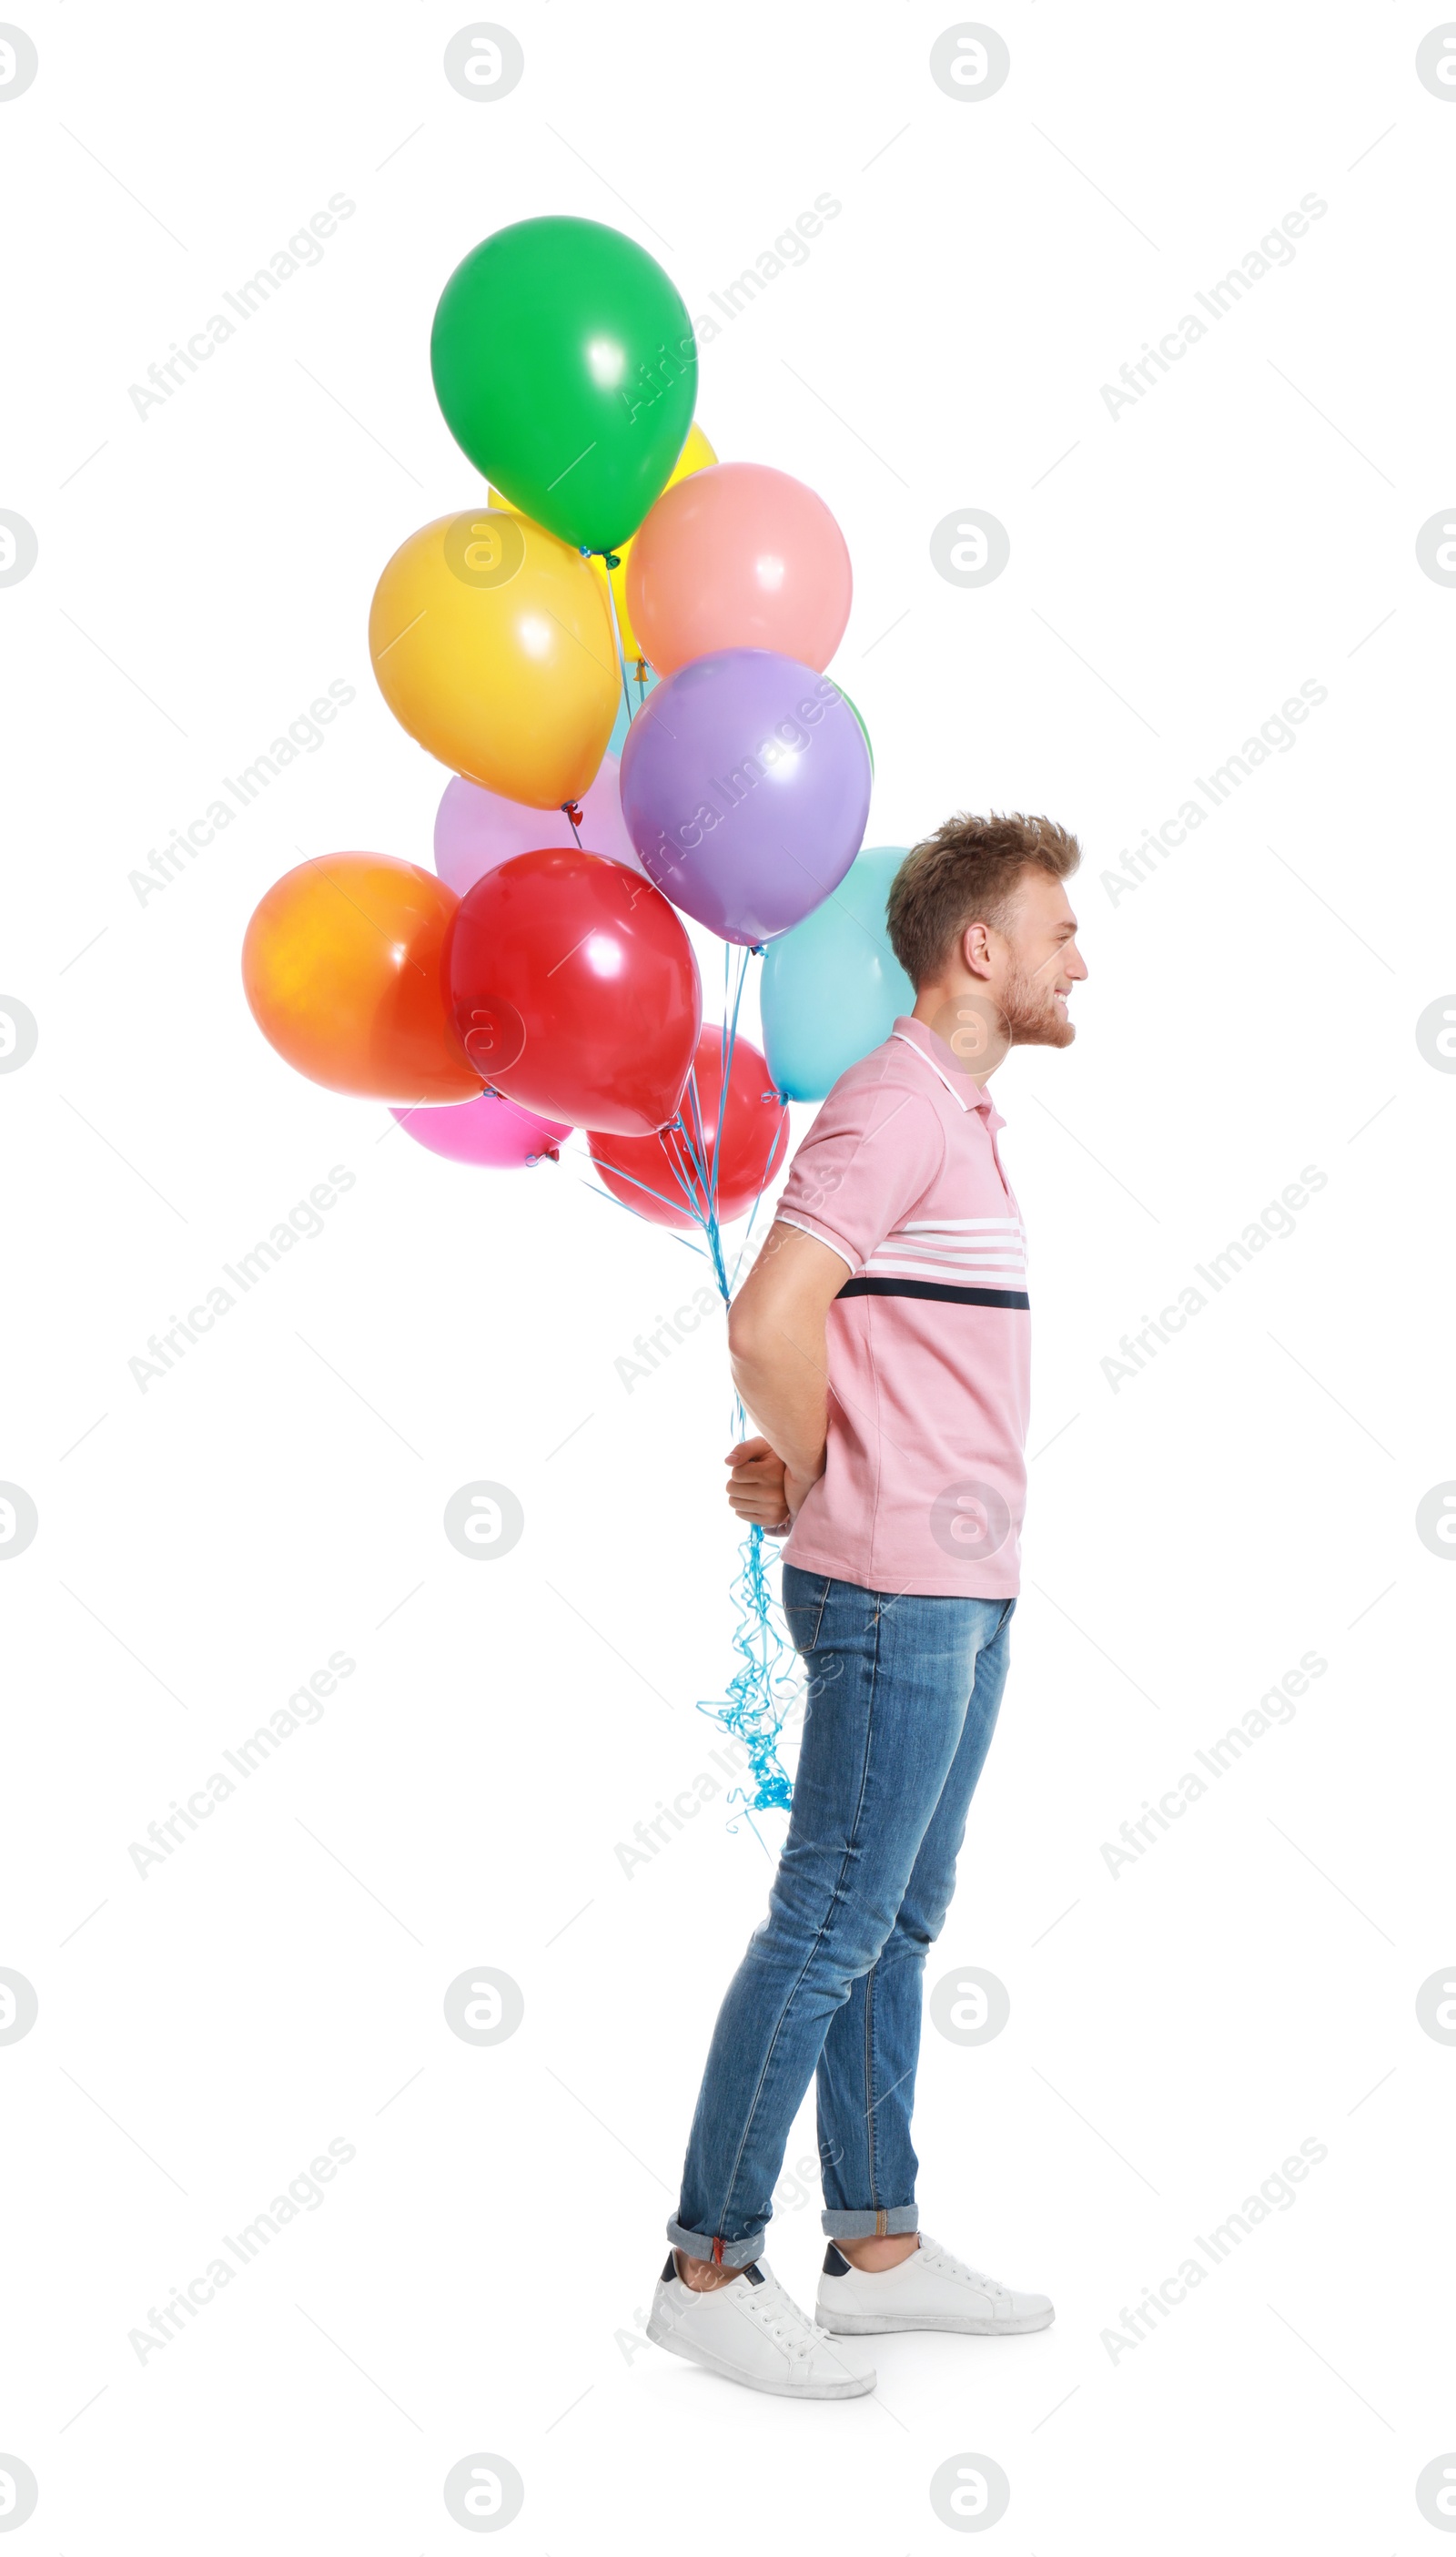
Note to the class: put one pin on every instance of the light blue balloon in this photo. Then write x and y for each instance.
(832, 986)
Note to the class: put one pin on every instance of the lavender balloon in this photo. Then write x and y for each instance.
(746, 786)
(477, 830)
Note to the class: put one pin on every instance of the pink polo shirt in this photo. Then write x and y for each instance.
(924, 1484)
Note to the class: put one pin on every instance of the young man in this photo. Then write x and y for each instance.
(882, 1344)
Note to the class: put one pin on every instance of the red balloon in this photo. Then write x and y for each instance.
(657, 1175)
(574, 991)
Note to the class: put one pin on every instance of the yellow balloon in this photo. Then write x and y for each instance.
(491, 642)
(696, 455)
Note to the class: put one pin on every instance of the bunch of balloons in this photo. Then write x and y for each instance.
(540, 978)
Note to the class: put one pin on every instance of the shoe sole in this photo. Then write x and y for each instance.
(931, 2325)
(853, 2385)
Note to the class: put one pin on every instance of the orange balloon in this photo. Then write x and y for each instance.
(343, 970)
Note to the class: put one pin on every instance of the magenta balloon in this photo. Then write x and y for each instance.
(475, 830)
(746, 786)
(491, 1130)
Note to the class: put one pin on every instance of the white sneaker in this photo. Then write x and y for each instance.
(750, 2329)
(930, 2289)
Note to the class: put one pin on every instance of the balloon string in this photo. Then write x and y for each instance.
(765, 1681)
(763, 1686)
(621, 654)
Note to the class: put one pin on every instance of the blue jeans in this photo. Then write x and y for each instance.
(903, 1694)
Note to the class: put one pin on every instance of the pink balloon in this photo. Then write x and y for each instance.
(489, 1131)
(475, 830)
(739, 556)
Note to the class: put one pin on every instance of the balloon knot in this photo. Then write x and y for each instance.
(572, 808)
(609, 559)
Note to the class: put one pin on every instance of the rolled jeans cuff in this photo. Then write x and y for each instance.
(734, 2251)
(871, 2224)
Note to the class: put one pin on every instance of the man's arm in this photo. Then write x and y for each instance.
(776, 1344)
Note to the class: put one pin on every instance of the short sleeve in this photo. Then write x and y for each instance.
(869, 1157)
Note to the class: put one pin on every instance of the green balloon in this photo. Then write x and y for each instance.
(566, 368)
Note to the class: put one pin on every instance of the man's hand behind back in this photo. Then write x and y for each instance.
(755, 1484)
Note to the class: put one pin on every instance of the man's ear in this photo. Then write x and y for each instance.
(976, 950)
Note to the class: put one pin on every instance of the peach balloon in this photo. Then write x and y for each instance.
(343, 970)
(739, 556)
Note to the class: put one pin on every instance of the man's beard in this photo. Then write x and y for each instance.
(1030, 1012)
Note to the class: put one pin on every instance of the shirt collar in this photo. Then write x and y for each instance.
(942, 1062)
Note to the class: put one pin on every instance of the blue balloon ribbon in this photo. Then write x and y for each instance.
(765, 1681)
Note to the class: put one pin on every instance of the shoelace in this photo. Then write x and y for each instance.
(785, 2322)
(944, 2261)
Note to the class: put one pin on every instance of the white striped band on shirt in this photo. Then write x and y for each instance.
(969, 1260)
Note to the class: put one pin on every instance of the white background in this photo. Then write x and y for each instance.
(474, 2277)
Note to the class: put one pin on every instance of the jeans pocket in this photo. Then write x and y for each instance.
(804, 1613)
